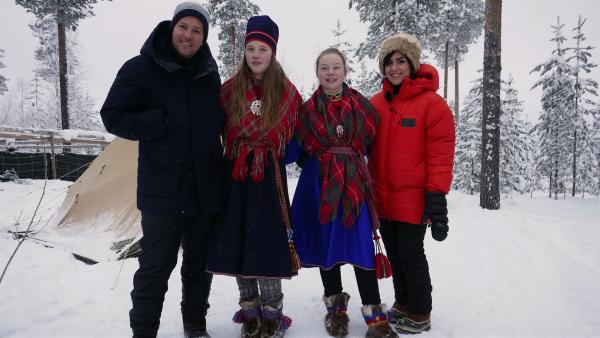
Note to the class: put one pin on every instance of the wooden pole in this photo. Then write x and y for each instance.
(53, 158)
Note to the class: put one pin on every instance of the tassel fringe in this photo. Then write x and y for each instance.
(296, 265)
(383, 268)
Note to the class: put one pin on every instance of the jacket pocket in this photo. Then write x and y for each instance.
(161, 153)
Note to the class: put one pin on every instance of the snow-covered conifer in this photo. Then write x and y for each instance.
(553, 128)
(584, 92)
(387, 17)
(231, 16)
(46, 90)
(461, 23)
(516, 145)
(367, 82)
(66, 14)
(467, 157)
(595, 145)
(3, 88)
(345, 47)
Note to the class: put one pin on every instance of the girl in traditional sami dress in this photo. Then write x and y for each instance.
(331, 211)
(254, 242)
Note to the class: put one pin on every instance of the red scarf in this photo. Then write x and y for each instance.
(249, 135)
(341, 160)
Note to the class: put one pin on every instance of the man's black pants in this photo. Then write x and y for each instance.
(162, 237)
(410, 270)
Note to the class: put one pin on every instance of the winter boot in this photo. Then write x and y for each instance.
(195, 329)
(413, 323)
(274, 322)
(376, 319)
(250, 316)
(336, 319)
(397, 312)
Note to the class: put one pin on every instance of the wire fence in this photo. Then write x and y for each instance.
(66, 166)
(69, 153)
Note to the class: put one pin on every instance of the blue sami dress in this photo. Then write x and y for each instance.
(326, 245)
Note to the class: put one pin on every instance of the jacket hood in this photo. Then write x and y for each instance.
(426, 79)
(159, 49)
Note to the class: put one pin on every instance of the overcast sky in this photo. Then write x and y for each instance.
(120, 27)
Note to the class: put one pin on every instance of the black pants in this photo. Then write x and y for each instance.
(365, 279)
(162, 237)
(410, 271)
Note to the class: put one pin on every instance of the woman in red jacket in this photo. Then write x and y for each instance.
(410, 165)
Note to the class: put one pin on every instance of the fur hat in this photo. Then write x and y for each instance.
(404, 43)
(194, 9)
(263, 29)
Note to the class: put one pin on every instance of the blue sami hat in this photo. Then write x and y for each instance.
(263, 29)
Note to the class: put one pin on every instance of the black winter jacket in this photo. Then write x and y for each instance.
(171, 107)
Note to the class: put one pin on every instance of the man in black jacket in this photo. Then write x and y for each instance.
(167, 99)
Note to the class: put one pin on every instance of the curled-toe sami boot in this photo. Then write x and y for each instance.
(376, 318)
(250, 316)
(336, 319)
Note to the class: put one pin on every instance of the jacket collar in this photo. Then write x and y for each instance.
(158, 48)
(426, 79)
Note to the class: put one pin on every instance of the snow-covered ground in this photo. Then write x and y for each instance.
(531, 269)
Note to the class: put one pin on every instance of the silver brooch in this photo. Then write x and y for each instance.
(339, 129)
(255, 107)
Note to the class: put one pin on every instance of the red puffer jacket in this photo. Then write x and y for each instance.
(413, 151)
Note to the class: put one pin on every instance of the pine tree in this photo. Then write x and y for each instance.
(34, 90)
(47, 113)
(388, 17)
(467, 157)
(3, 88)
(231, 16)
(489, 196)
(587, 163)
(22, 108)
(533, 178)
(595, 153)
(516, 145)
(46, 87)
(461, 23)
(34, 95)
(6, 109)
(367, 82)
(44, 104)
(554, 126)
(584, 89)
(343, 46)
(66, 14)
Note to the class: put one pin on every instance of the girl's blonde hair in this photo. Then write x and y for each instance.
(272, 90)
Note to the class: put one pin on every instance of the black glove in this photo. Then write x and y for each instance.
(436, 210)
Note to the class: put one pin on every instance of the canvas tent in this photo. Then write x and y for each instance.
(101, 206)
